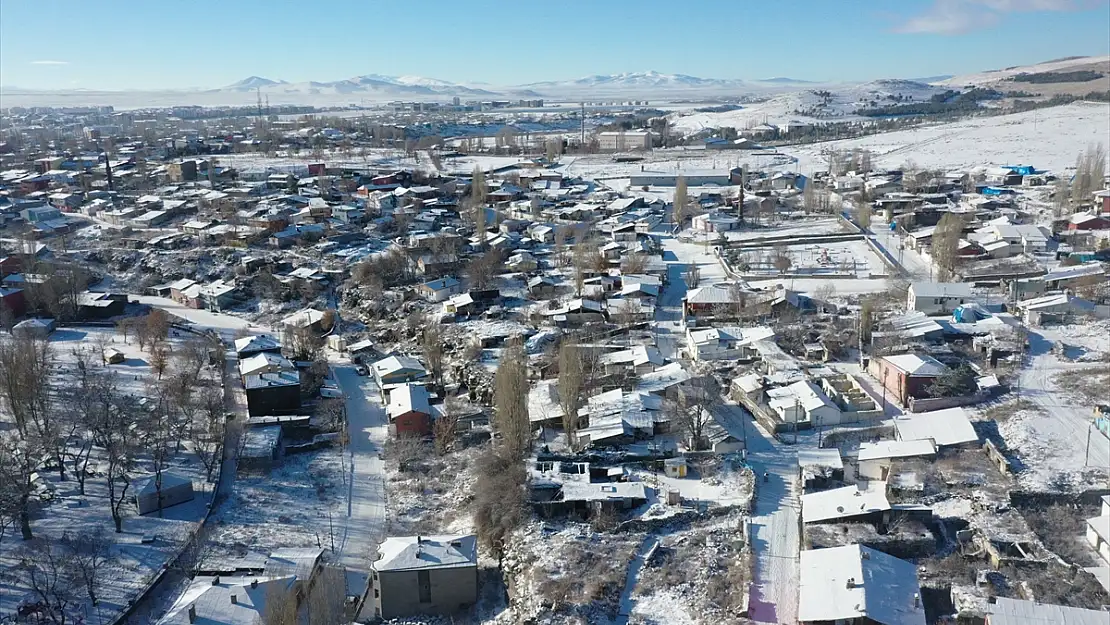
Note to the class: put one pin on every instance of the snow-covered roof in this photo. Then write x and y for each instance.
(269, 380)
(741, 336)
(803, 393)
(394, 364)
(1093, 268)
(914, 364)
(543, 401)
(857, 582)
(1053, 301)
(405, 398)
(412, 553)
(950, 426)
(881, 450)
(212, 601)
(261, 342)
(662, 378)
(263, 361)
(149, 486)
(636, 356)
(577, 490)
(941, 289)
(1007, 611)
(842, 503)
(303, 318)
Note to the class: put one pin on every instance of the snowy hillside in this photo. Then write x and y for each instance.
(994, 76)
(1049, 139)
(252, 83)
(832, 103)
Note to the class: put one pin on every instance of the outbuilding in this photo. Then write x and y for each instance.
(175, 490)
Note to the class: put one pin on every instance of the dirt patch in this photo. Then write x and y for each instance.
(1062, 528)
(1003, 411)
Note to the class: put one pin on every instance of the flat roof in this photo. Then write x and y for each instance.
(851, 582)
(950, 426)
(1007, 611)
(842, 503)
(410, 553)
(896, 449)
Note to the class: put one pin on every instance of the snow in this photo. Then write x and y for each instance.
(1002, 74)
(1049, 138)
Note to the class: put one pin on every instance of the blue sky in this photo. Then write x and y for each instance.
(153, 44)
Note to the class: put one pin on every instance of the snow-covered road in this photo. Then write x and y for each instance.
(364, 526)
(775, 533)
(227, 326)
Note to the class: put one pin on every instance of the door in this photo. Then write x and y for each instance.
(424, 586)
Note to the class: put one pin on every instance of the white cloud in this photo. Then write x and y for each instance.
(49, 62)
(953, 17)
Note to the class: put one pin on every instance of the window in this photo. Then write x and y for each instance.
(424, 586)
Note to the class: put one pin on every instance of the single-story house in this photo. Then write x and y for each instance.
(440, 289)
(906, 375)
(409, 411)
(251, 345)
(803, 402)
(857, 584)
(273, 393)
(1006, 611)
(175, 490)
(397, 370)
(38, 328)
(874, 459)
(938, 298)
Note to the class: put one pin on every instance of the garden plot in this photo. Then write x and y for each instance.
(850, 259)
(62, 516)
(299, 503)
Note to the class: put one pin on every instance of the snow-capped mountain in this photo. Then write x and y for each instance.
(252, 83)
(636, 83)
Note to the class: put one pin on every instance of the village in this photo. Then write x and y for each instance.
(307, 368)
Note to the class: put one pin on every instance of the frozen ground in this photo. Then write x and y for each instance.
(602, 166)
(1048, 138)
(1052, 433)
(67, 512)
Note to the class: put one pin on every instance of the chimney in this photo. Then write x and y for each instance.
(866, 555)
(234, 599)
(851, 583)
(254, 583)
(419, 540)
(916, 600)
(216, 580)
(192, 613)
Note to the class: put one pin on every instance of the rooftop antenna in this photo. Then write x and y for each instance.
(267, 106)
(258, 93)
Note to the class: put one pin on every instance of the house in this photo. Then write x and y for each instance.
(906, 375)
(1098, 531)
(803, 402)
(14, 301)
(179, 290)
(273, 393)
(114, 356)
(857, 502)
(542, 287)
(729, 343)
(859, 585)
(938, 298)
(950, 427)
(417, 575)
(397, 370)
(100, 305)
(818, 467)
(714, 222)
(174, 490)
(36, 328)
(544, 407)
(307, 319)
(1006, 611)
(440, 289)
(619, 417)
(640, 359)
(435, 265)
(874, 460)
(409, 411)
(1088, 221)
(251, 345)
(39, 214)
(1057, 307)
(264, 362)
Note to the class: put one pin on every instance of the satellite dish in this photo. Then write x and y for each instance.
(840, 509)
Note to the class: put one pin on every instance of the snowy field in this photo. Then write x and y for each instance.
(603, 167)
(147, 542)
(1048, 138)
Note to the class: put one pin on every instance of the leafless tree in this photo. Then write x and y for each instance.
(690, 406)
(681, 201)
(634, 264)
(190, 357)
(499, 500)
(89, 552)
(46, 567)
(1061, 198)
(116, 433)
(207, 431)
(692, 275)
(156, 327)
(445, 428)
(160, 429)
(571, 383)
(483, 269)
(19, 462)
(946, 245)
(281, 605)
(160, 359)
(781, 260)
(433, 352)
(510, 400)
(302, 343)
(824, 292)
(25, 364)
(324, 604)
(863, 213)
(125, 327)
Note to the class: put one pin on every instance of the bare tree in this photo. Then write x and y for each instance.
(19, 462)
(156, 326)
(190, 357)
(634, 264)
(689, 406)
(281, 605)
(324, 604)
(89, 552)
(445, 428)
(208, 430)
(510, 400)
(115, 432)
(1061, 198)
(681, 201)
(159, 430)
(824, 292)
(692, 275)
(572, 380)
(25, 365)
(46, 568)
(499, 500)
(433, 352)
(863, 213)
(159, 359)
(946, 245)
(781, 260)
(582, 263)
(482, 270)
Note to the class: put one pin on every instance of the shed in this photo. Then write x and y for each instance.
(175, 490)
(39, 328)
(675, 467)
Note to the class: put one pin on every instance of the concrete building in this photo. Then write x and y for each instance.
(906, 375)
(626, 140)
(425, 575)
(938, 298)
(858, 585)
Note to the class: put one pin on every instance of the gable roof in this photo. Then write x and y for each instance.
(843, 503)
(913, 364)
(1007, 611)
(406, 398)
(259, 343)
(853, 582)
(950, 426)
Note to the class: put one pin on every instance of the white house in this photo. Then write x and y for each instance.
(723, 343)
(803, 402)
(938, 298)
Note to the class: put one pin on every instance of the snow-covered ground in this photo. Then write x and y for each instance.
(1053, 434)
(1049, 138)
(134, 559)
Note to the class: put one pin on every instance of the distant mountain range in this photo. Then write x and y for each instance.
(641, 84)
